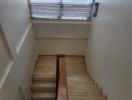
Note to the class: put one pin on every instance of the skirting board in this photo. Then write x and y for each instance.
(53, 46)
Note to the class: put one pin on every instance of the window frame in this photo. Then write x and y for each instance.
(59, 18)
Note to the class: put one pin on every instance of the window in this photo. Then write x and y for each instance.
(61, 9)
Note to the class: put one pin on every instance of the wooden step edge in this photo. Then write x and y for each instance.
(43, 84)
(88, 88)
(88, 94)
(43, 95)
(43, 78)
(43, 88)
(87, 97)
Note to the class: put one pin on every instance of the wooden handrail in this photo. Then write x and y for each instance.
(62, 92)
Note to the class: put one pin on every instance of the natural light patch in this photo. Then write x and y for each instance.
(78, 1)
(61, 9)
(45, 1)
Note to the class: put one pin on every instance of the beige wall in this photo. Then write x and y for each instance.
(15, 19)
(19, 71)
(18, 51)
(109, 51)
(61, 37)
(61, 29)
(5, 58)
(68, 46)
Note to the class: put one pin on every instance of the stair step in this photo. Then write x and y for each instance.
(73, 60)
(87, 87)
(44, 78)
(47, 60)
(43, 96)
(80, 79)
(83, 92)
(86, 98)
(43, 87)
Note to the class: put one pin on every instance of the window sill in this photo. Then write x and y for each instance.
(60, 21)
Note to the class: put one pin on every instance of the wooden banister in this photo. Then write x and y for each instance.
(62, 92)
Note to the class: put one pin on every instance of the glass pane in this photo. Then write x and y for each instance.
(77, 1)
(76, 9)
(72, 9)
(45, 1)
(45, 8)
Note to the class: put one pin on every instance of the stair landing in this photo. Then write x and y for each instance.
(46, 66)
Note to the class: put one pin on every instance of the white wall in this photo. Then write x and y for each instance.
(61, 30)
(68, 46)
(61, 37)
(18, 72)
(18, 51)
(109, 51)
(15, 19)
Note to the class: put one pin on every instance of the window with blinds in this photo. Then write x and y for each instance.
(61, 9)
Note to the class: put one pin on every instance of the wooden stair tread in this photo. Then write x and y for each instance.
(40, 77)
(85, 75)
(82, 91)
(73, 59)
(41, 58)
(80, 84)
(43, 95)
(86, 98)
(75, 65)
(47, 60)
(44, 76)
(46, 85)
(46, 65)
(42, 73)
(83, 86)
(79, 80)
(48, 70)
(75, 69)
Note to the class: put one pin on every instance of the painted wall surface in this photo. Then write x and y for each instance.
(15, 19)
(61, 38)
(61, 30)
(53, 46)
(19, 73)
(5, 58)
(109, 51)
(18, 51)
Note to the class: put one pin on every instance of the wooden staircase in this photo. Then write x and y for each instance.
(79, 84)
(44, 79)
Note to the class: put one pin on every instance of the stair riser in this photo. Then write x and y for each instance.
(87, 98)
(89, 88)
(86, 92)
(46, 80)
(41, 89)
(43, 98)
(87, 82)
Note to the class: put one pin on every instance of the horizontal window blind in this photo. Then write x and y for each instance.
(61, 9)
